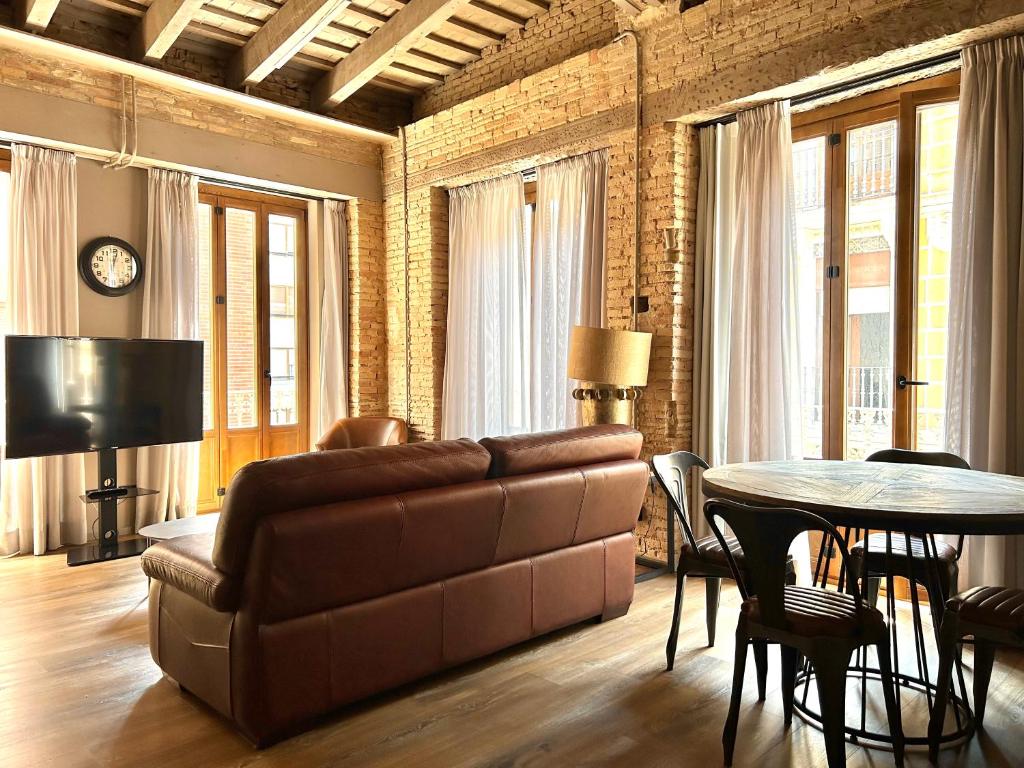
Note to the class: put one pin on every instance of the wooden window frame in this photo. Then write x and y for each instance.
(899, 103)
(5, 160)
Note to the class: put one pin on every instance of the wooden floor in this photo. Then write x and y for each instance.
(78, 688)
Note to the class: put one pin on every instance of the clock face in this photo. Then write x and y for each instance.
(110, 266)
(113, 266)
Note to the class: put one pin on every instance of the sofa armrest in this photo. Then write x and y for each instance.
(185, 563)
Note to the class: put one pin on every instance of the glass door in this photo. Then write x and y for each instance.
(868, 147)
(252, 318)
(873, 191)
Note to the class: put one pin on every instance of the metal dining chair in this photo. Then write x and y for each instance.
(702, 557)
(824, 626)
(993, 616)
(869, 558)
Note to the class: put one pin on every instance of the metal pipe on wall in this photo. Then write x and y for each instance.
(405, 257)
(637, 124)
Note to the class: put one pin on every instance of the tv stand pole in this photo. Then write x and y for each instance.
(108, 495)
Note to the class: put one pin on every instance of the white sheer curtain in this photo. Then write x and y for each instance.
(40, 507)
(334, 328)
(716, 213)
(487, 361)
(725, 210)
(761, 409)
(568, 285)
(985, 362)
(170, 311)
(748, 406)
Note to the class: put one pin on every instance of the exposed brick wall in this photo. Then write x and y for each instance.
(368, 391)
(507, 113)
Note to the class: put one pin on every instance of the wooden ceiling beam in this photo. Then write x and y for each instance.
(280, 38)
(403, 31)
(476, 29)
(345, 50)
(34, 14)
(540, 5)
(160, 26)
(425, 55)
(456, 45)
(461, 24)
(499, 13)
(425, 74)
(379, 19)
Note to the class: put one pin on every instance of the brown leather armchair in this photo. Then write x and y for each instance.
(334, 575)
(364, 432)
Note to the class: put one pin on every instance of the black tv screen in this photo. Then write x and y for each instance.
(71, 395)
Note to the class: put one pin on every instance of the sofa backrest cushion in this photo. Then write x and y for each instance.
(330, 477)
(565, 448)
(350, 551)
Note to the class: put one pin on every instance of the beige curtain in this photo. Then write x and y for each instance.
(487, 354)
(761, 407)
(568, 277)
(40, 507)
(170, 311)
(334, 329)
(985, 368)
(704, 306)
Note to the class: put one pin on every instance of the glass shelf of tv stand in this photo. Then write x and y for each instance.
(129, 492)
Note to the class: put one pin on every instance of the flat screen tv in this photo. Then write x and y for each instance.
(71, 395)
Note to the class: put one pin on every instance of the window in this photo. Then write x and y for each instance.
(251, 272)
(873, 181)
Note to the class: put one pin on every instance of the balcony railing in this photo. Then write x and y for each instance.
(868, 391)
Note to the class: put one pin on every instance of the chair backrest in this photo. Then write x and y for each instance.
(670, 469)
(765, 535)
(927, 458)
(363, 432)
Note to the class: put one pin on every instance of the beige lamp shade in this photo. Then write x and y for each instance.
(605, 356)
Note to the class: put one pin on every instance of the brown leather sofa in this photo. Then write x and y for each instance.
(338, 574)
(364, 432)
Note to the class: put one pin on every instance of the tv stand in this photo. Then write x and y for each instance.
(109, 493)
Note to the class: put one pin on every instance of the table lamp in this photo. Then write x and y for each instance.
(611, 367)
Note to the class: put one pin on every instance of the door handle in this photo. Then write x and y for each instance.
(903, 382)
(267, 374)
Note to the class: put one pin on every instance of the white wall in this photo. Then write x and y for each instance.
(111, 203)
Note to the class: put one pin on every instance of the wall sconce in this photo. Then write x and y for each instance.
(673, 246)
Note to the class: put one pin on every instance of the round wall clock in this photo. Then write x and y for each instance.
(110, 266)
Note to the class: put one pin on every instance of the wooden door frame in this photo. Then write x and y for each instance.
(216, 372)
(899, 103)
(262, 205)
(812, 130)
(905, 354)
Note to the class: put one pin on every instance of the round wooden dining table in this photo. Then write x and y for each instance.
(896, 500)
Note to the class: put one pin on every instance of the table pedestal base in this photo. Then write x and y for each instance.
(908, 685)
(916, 683)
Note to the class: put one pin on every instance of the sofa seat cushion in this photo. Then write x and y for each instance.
(185, 563)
